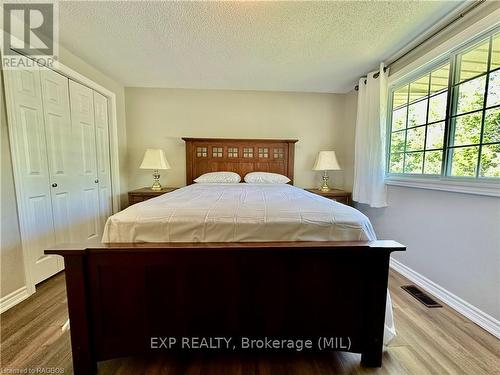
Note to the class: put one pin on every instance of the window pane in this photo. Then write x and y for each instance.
(435, 136)
(422, 116)
(419, 88)
(417, 113)
(413, 162)
(495, 52)
(474, 62)
(492, 126)
(490, 161)
(415, 139)
(493, 89)
(400, 97)
(468, 129)
(439, 79)
(471, 95)
(399, 119)
(464, 161)
(396, 164)
(398, 141)
(433, 161)
(437, 107)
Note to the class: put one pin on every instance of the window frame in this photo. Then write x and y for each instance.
(466, 184)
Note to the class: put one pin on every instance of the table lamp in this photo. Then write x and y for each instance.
(326, 161)
(155, 159)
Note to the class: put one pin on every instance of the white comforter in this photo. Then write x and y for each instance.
(238, 213)
(242, 213)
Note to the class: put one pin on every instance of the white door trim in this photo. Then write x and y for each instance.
(113, 140)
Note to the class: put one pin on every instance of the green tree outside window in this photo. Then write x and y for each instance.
(451, 130)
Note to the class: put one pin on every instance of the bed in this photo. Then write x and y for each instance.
(211, 212)
(232, 261)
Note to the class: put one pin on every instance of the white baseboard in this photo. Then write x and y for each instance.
(12, 299)
(471, 312)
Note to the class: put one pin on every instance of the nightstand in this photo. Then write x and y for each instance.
(340, 196)
(143, 194)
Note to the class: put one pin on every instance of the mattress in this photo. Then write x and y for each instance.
(238, 213)
(242, 213)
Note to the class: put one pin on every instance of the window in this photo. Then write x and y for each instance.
(446, 122)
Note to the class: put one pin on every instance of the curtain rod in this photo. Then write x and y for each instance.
(460, 16)
(376, 75)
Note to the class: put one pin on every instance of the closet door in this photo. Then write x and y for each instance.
(60, 147)
(83, 129)
(29, 155)
(103, 158)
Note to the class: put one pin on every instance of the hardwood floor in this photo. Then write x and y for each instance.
(429, 341)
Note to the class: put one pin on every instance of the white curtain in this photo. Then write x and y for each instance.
(369, 154)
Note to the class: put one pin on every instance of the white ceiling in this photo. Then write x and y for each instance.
(277, 46)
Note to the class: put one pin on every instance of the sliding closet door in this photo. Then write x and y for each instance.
(60, 151)
(103, 157)
(83, 128)
(29, 154)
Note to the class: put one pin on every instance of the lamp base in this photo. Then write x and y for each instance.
(324, 185)
(156, 181)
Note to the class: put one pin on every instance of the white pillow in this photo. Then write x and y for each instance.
(266, 178)
(219, 177)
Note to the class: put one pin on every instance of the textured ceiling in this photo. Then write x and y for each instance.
(278, 46)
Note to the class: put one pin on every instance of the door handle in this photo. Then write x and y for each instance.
(54, 185)
(96, 181)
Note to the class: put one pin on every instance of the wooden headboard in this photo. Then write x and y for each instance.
(242, 156)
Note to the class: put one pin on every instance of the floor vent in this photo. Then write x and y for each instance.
(421, 296)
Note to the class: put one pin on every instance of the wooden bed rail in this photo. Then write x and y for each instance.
(68, 249)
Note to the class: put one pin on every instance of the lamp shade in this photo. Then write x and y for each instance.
(154, 159)
(326, 161)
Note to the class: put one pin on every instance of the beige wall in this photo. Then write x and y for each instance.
(158, 118)
(11, 267)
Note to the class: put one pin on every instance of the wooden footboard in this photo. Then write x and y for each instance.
(128, 299)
